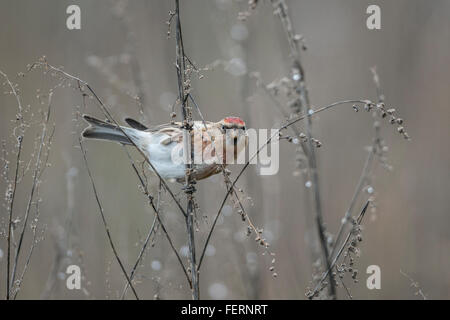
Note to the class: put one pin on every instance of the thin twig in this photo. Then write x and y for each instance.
(346, 289)
(144, 247)
(366, 170)
(27, 263)
(36, 175)
(104, 220)
(333, 263)
(416, 285)
(360, 186)
(260, 84)
(15, 182)
(156, 211)
(11, 206)
(30, 253)
(157, 216)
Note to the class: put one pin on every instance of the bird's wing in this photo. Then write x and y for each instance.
(136, 124)
(174, 125)
(178, 125)
(173, 132)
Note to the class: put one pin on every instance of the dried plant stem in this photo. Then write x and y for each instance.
(156, 211)
(144, 247)
(360, 186)
(349, 295)
(260, 84)
(341, 249)
(298, 76)
(365, 175)
(36, 175)
(27, 261)
(15, 182)
(416, 285)
(366, 170)
(187, 152)
(11, 207)
(101, 211)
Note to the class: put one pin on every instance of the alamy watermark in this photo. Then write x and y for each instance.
(373, 22)
(73, 21)
(374, 280)
(73, 281)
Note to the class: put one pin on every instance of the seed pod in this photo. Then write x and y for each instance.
(391, 111)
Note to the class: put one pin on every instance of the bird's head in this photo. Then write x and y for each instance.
(235, 134)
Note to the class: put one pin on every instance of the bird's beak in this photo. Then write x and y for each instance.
(234, 136)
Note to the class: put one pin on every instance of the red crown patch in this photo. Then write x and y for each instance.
(234, 120)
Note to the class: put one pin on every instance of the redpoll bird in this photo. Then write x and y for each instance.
(214, 144)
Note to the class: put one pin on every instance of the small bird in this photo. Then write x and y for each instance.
(214, 144)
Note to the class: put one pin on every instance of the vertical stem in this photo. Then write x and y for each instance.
(36, 174)
(8, 263)
(298, 77)
(105, 224)
(191, 243)
(187, 152)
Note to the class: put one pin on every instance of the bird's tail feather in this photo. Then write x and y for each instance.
(103, 130)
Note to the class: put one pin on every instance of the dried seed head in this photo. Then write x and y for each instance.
(391, 111)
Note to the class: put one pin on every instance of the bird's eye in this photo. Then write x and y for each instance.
(224, 128)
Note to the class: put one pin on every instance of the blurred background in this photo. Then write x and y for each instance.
(123, 51)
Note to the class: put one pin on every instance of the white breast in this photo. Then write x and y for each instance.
(165, 157)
